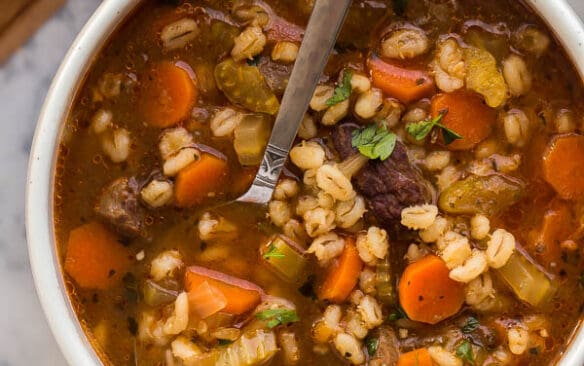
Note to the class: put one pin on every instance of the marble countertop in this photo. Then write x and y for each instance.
(24, 336)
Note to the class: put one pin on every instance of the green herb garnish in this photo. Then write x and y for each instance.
(374, 142)
(464, 352)
(342, 91)
(276, 317)
(254, 61)
(398, 314)
(372, 344)
(471, 325)
(419, 130)
(273, 252)
(224, 342)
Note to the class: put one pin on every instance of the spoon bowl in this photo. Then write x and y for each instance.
(321, 33)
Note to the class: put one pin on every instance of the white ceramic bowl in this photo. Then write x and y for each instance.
(39, 202)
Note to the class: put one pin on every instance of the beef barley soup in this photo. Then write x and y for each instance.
(431, 212)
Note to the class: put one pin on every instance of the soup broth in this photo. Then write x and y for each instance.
(430, 212)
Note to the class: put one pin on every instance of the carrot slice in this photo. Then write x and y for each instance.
(557, 225)
(240, 296)
(467, 114)
(342, 275)
(417, 357)
(426, 292)
(198, 180)
(95, 258)
(167, 95)
(563, 165)
(404, 84)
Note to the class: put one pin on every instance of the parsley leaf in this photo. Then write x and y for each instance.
(374, 142)
(276, 317)
(464, 352)
(372, 344)
(342, 91)
(471, 325)
(449, 135)
(224, 342)
(399, 313)
(273, 252)
(419, 130)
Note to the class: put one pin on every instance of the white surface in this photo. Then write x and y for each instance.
(24, 336)
(24, 80)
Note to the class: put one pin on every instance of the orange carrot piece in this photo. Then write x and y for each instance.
(427, 294)
(95, 258)
(557, 225)
(417, 357)
(168, 94)
(342, 275)
(563, 165)
(241, 296)
(467, 115)
(202, 177)
(404, 84)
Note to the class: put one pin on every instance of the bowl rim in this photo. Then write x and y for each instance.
(43, 256)
(45, 264)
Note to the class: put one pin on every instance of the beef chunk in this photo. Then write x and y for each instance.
(275, 74)
(119, 206)
(388, 186)
(387, 347)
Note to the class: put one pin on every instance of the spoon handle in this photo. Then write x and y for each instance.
(319, 39)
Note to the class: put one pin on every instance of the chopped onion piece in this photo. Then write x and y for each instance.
(205, 300)
(253, 348)
(251, 138)
(156, 295)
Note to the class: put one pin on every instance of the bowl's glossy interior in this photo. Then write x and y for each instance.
(42, 251)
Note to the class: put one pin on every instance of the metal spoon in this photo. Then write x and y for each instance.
(320, 36)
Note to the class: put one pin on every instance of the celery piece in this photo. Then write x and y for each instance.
(285, 257)
(483, 76)
(245, 85)
(488, 194)
(384, 282)
(528, 282)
